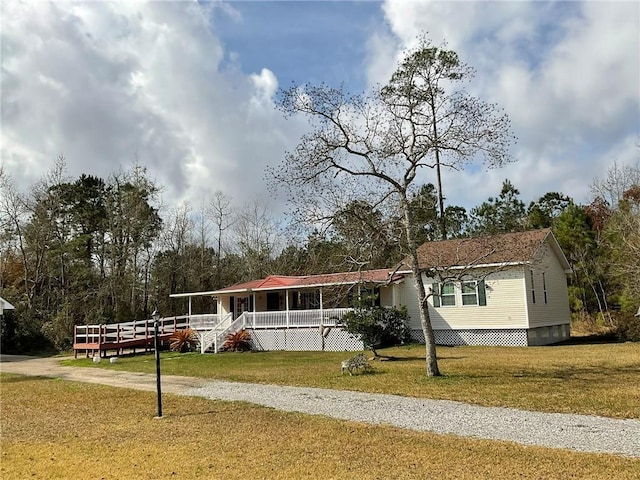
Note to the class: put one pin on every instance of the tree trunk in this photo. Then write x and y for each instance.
(425, 320)
(434, 123)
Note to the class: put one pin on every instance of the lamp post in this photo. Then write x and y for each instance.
(156, 345)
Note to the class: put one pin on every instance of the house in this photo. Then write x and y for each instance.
(507, 289)
(4, 305)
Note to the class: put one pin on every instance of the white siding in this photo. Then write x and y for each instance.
(505, 305)
(556, 310)
(406, 296)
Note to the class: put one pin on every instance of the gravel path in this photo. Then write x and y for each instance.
(576, 432)
(556, 430)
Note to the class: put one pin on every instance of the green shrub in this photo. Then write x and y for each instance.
(378, 327)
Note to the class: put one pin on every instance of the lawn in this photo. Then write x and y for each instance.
(597, 379)
(53, 429)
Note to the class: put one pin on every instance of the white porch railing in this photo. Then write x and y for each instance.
(211, 329)
(215, 334)
(294, 318)
(208, 328)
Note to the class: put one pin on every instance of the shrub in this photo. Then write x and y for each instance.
(183, 341)
(239, 341)
(378, 327)
(627, 327)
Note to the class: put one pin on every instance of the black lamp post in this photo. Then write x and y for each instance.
(156, 345)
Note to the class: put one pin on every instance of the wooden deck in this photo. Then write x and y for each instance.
(118, 337)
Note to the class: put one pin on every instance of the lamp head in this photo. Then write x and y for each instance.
(155, 315)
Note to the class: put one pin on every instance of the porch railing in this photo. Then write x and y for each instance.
(294, 318)
(211, 329)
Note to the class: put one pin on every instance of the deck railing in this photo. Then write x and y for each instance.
(211, 329)
(121, 332)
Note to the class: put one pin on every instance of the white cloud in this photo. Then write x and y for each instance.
(567, 73)
(106, 83)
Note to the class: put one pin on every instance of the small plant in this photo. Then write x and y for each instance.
(183, 341)
(239, 341)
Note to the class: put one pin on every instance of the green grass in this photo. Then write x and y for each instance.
(53, 429)
(601, 379)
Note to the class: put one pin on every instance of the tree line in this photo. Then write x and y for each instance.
(90, 250)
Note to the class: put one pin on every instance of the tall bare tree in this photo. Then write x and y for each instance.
(373, 147)
(223, 216)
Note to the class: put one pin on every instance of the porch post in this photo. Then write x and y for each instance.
(286, 302)
(321, 308)
(254, 309)
(189, 307)
(393, 294)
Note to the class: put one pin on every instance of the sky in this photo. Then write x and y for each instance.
(187, 89)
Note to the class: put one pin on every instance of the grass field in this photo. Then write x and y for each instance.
(53, 429)
(598, 379)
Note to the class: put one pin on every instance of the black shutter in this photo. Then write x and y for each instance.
(435, 288)
(482, 294)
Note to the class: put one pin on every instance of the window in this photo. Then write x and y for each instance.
(448, 295)
(443, 294)
(544, 287)
(533, 287)
(309, 300)
(469, 293)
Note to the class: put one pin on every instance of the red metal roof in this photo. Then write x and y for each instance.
(275, 282)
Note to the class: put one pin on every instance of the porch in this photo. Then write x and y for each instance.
(316, 329)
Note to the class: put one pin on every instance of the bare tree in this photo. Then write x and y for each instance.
(374, 147)
(256, 235)
(222, 215)
(619, 179)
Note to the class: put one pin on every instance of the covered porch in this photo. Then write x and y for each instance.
(314, 305)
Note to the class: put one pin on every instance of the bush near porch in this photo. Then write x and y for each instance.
(595, 379)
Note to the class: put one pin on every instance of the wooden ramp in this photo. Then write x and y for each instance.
(100, 339)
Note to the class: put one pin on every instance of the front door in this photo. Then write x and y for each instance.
(243, 304)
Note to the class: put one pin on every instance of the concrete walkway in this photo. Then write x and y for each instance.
(576, 432)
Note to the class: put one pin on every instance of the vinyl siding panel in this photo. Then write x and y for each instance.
(406, 296)
(505, 304)
(556, 310)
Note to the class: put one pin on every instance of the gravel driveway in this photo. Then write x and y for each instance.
(556, 430)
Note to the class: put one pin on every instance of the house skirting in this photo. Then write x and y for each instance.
(549, 335)
(512, 337)
(338, 340)
(304, 339)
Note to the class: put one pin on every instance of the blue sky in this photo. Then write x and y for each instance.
(302, 42)
(188, 88)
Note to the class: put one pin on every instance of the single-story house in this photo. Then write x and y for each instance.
(508, 289)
